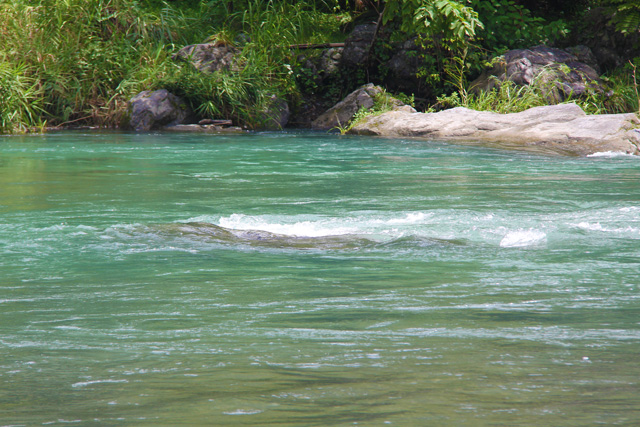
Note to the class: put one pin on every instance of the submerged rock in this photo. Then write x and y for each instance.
(562, 128)
(153, 110)
(204, 128)
(260, 238)
(211, 233)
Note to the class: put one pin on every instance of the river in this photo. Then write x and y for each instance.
(302, 279)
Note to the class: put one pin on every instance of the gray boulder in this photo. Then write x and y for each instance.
(611, 47)
(403, 68)
(276, 114)
(562, 128)
(316, 69)
(357, 44)
(330, 61)
(362, 98)
(585, 55)
(558, 72)
(152, 110)
(208, 57)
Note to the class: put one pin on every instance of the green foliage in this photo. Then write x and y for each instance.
(265, 66)
(85, 58)
(620, 95)
(20, 97)
(80, 53)
(626, 14)
(451, 19)
(225, 8)
(448, 20)
(79, 61)
(505, 98)
(508, 25)
(239, 96)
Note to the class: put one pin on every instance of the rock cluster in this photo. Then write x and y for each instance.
(161, 109)
(562, 73)
(610, 47)
(558, 73)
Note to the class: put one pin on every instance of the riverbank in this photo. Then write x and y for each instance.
(81, 62)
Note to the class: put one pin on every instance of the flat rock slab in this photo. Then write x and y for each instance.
(203, 128)
(562, 128)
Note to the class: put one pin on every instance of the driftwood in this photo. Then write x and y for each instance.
(215, 122)
(315, 45)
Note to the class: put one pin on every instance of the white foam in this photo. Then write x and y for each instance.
(410, 218)
(306, 228)
(86, 383)
(313, 226)
(630, 209)
(588, 226)
(611, 154)
(243, 412)
(523, 238)
(447, 224)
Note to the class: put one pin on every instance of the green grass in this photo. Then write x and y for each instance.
(79, 61)
(78, 54)
(620, 95)
(20, 98)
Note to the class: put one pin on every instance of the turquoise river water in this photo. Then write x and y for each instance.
(300, 279)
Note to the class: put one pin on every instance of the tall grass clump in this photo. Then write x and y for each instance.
(80, 57)
(620, 94)
(79, 61)
(617, 94)
(20, 98)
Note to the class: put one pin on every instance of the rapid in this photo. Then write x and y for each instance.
(310, 279)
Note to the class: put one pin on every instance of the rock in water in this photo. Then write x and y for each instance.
(260, 238)
(153, 110)
(562, 128)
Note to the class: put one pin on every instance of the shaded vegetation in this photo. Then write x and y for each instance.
(66, 62)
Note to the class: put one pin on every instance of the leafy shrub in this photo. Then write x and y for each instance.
(626, 15)
(507, 25)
